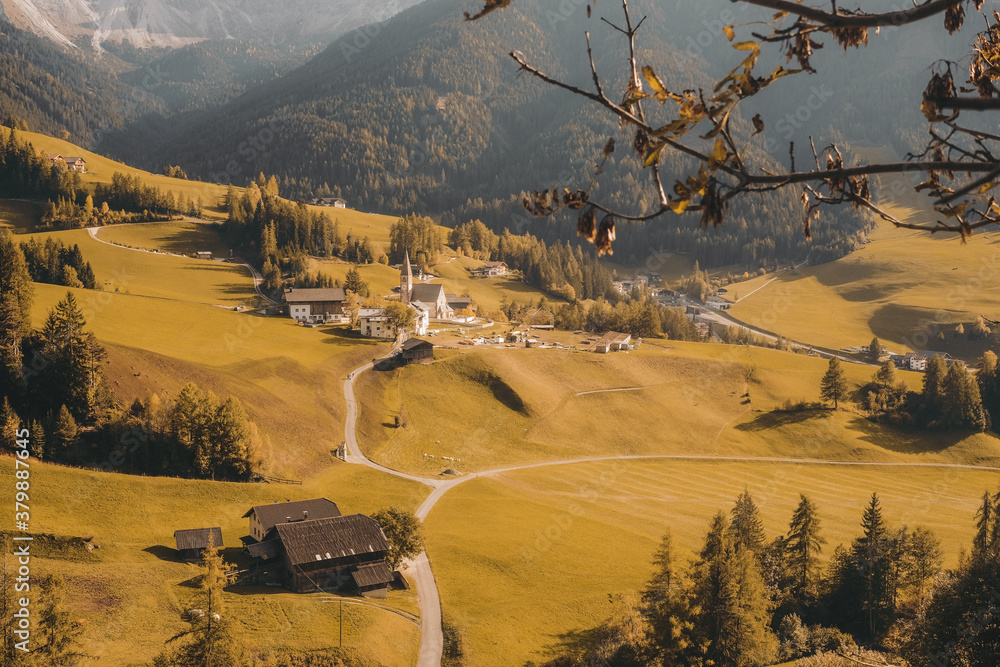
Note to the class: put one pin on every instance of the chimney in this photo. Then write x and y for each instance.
(305, 515)
(288, 519)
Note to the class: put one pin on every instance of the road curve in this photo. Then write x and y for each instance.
(431, 633)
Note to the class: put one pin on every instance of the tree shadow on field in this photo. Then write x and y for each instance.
(906, 440)
(779, 418)
(573, 644)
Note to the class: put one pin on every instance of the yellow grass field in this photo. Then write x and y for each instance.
(906, 287)
(289, 378)
(525, 558)
(489, 408)
(130, 591)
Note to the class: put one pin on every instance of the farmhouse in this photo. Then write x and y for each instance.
(490, 269)
(333, 553)
(415, 349)
(915, 361)
(55, 158)
(335, 202)
(76, 164)
(374, 323)
(191, 542)
(264, 517)
(612, 340)
(312, 305)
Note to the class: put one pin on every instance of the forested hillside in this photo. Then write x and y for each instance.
(432, 117)
(52, 91)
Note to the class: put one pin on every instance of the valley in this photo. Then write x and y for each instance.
(331, 336)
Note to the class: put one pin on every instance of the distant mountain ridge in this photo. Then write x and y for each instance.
(157, 23)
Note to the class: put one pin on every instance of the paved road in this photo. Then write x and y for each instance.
(431, 634)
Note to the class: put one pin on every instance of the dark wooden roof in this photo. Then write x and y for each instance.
(372, 574)
(268, 550)
(269, 515)
(328, 539)
(413, 343)
(428, 293)
(197, 538)
(314, 294)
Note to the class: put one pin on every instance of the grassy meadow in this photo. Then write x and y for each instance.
(130, 590)
(909, 288)
(100, 169)
(490, 408)
(542, 549)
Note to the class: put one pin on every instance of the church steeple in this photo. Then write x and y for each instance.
(405, 280)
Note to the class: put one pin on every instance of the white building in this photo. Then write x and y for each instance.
(422, 318)
(374, 323)
(317, 305)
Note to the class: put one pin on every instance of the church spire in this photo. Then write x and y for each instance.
(406, 280)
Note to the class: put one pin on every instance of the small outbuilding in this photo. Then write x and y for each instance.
(203, 254)
(191, 542)
(416, 349)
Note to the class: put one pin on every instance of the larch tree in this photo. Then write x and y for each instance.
(746, 525)
(804, 543)
(833, 386)
(666, 604)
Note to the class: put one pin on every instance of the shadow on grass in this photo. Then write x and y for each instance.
(779, 418)
(906, 440)
(573, 645)
(189, 240)
(164, 553)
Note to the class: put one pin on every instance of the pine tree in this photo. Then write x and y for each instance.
(962, 406)
(211, 643)
(11, 360)
(746, 526)
(988, 377)
(15, 278)
(874, 351)
(924, 560)
(885, 376)
(64, 434)
(804, 543)
(231, 435)
(667, 607)
(10, 423)
(60, 634)
(732, 602)
(833, 386)
(871, 553)
(933, 389)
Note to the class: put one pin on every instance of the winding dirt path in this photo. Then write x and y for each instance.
(431, 634)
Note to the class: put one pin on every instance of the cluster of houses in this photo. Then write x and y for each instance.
(327, 306)
(77, 164)
(335, 202)
(306, 546)
(491, 270)
(917, 361)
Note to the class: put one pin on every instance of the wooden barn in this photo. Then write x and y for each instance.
(343, 553)
(190, 543)
(415, 349)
